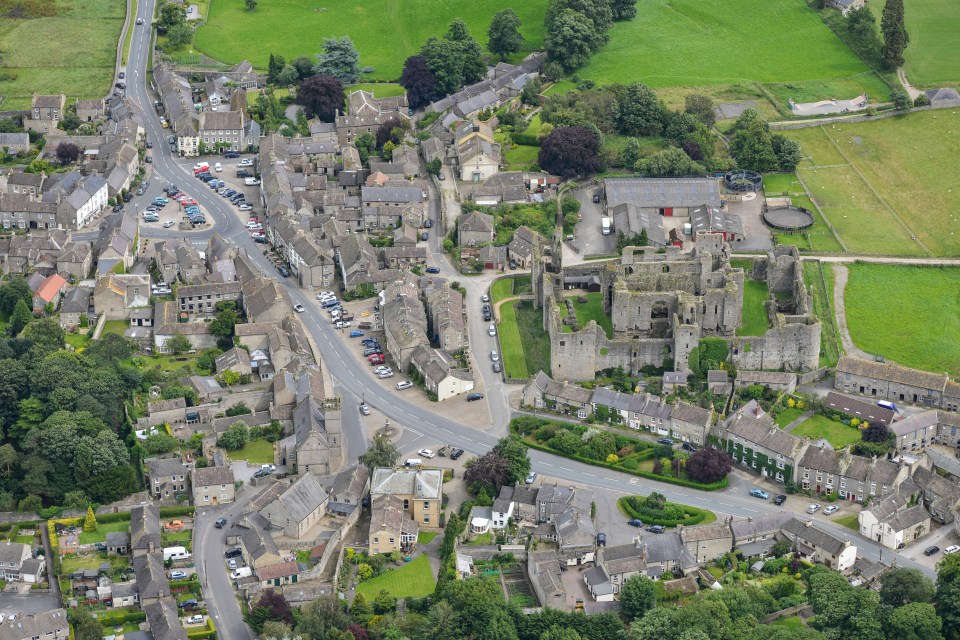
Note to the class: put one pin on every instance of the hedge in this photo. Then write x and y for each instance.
(209, 632)
(525, 139)
(120, 516)
(620, 466)
(696, 516)
(114, 619)
(170, 512)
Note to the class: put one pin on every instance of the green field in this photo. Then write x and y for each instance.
(69, 47)
(711, 42)
(754, 321)
(412, 580)
(910, 315)
(385, 33)
(378, 89)
(257, 451)
(525, 345)
(932, 59)
(859, 172)
(838, 435)
(593, 310)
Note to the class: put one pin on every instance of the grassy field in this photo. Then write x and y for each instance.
(100, 535)
(859, 172)
(385, 33)
(378, 89)
(502, 288)
(257, 451)
(709, 42)
(525, 345)
(932, 59)
(838, 435)
(412, 580)
(80, 64)
(593, 310)
(754, 321)
(910, 315)
(819, 277)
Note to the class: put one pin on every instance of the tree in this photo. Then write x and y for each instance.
(366, 143)
(701, 107)
(178, 344)
(895, 36)
(97, 454)
(274, 67)
(914, 621)
(455, 59)
(570, 151)
(787, 151)
(382, 453)
(391, 130)
(277, 605)
(862, 26)
(488, 472)
(76, 500)
(504, 34)
(597, 15)
(671, 161)
(179, 36)
(251, 4)
(514, 450)
(556, 632)
(623, 9)
(15, 289)
(90, 521)
(322, 95)
(419, 81)
(339, 59)
(235, 437)
(360, 609)
(172, 14)
(287, 76)
(637, 596)
(229, 377)
(900, 586)
(223, 325)
(160, 442)
(639, 111)
(85, 626)
(947, 600)
(434, 167)
(20, 318)
(901, 100)
(304, 66)
(569, 40)
(67, 153)
(708, 465)
(751, 146)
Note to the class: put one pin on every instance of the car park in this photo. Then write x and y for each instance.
(760, 493)
(426, 453)
(473, 397)
(929, 551)
(356, 333)
(635, 522)
(456, 454)
(406, 384)
(813, 508)
(831, 509)
(531, 477)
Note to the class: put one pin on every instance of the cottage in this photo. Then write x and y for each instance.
(115, 295)
(706, 542)
(257, 545)
(886, 381)
(212, 485)
(916, 431)
(50, 625)
(441, 374)
(390, 529)
(49, 294)
(349, 489)
(690, 423)
(893, 523)
(152, 583)
(861, 478)
(12, 557)
(863, 411)
(144, 529)
(276, 575)
(164, 620)
(478, 154)
(447, 322)
(816, 545)
(819, 469)
(166, 477)
(755, 537)
(297, 508)
(167, 325)
(475, 229)
(754, 441)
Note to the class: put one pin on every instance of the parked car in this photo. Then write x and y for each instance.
(492, 330)
(342, 324)
(497, 368)
(666, 441)
(760, 493)
(356, 334)
(232, 154)
(433, 270)
(780, 499)
(139, 20)
(365, 409)
(406, 384)
(485, 298)
(656, 528)
(188, 604)
(472, 397)
(601, 539)
(531, 477)
(197, 619)
(831, 509)
(246, 207)
(246, 162)
(813, 508)
(221, 523)
(688, 446)
(168, 224)
(425, 235)
(178, 575)
(635, 522)
(175, 525)
(283, 271)
(495, 356)
(385, 374)
(428, 223)
(426, 453)
(377, 359)
(456, 454)
(929, 551)
(951, 549)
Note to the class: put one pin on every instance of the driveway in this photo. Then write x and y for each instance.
(755, 232)
(588, 238)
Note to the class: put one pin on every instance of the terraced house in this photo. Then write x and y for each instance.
(752, 438)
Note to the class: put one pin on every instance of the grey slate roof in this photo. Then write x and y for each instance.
(813, 536)
(422, 484)
(151, 579)
(859, 409)
(706, 219)
(145, 527)
(914, 423)
(302, 498)
(653, 193)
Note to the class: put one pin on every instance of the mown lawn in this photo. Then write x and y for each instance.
(754, 321)
(910, 315)
(78, 340)
(385, 33)
(500, 289)
(711, 42)
(932, 58)
(850, 522)
(593, 310)
(413, 580)
(378, 89)
(909, 160)
(788, 415)
(525, 344)
(257, 451)
(837, 434)
(80, 65)
(100, 535)
(511, 346)
(425, 537)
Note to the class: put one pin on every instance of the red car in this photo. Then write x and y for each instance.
(377, 359)
(188, 201)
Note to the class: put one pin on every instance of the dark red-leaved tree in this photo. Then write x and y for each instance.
(709, 465)
(358, 632)
(67, 152)
(322, 95)
(278, 606)
(385, 132)
(419, 81)
(569, 152)
(490, 469)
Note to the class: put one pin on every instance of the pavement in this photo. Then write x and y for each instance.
(588, 238)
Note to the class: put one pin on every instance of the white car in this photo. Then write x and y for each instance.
(813, 508)
(340, 324)
(495, 356)
(365, 409)
(426, 453)
(298, 308)
(246, 207)
(246, 162)
(385, 374)
(254, 225)
(951, 549)
(268, 467)
(831, 509)
(492, 331)
(485, 298)
(139, 20)
(326, 294)
(168, 224)
(197, 619)
(406, 384)
(382, 368)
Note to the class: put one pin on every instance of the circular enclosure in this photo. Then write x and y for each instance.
(743, 180)
(788, 218)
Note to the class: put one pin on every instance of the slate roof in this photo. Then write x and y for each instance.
(151, 579)
(821, 459)
(891, 373)
(859, 409)
(350, 483)
(145, 527)
(391, 194)
(386, 514)
(691, 413)
(915, 422)
(653, 193)
(208, 476)
(118, 539)
(746, 528)
(622, 559)
(13, 553)
(422, 484)
(607, 397)
(667, 548)
(903, 520)
(630, 218)
(77, 300)
(476, 221)
(257, 541)
(813, 536)
(164, 621)
(36, 625)
(764, 435)
(302, 498)
(706, 219)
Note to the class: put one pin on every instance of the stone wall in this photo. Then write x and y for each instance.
(792, 345)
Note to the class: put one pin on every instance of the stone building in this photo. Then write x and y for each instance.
(420, 492)
(887, 381)
(756, 442)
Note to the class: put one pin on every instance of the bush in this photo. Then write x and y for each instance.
(670, 516)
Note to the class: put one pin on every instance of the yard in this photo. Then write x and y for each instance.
(932, 59)
(72, 563)
(425, 537)
(754, 321)
(80, 65)
(883, 183)
(593, 310)
(910, 315)
(100, 535)
(709, 42)
(412, 580)
(525, 345)
(385, 33)
(257, 451)
(78, 340)
(837, 434)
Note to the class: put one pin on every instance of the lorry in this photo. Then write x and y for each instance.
(175, 553)
(605, 226)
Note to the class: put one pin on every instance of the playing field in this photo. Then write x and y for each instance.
(883, 183)
(386, 32)
(66, 46)
(910, 315)
(711, 42)
(932, 56)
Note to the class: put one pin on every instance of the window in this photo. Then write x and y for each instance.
(376, 541)
(391, 541)
(206, 498)
(426, 505)
(426, 519)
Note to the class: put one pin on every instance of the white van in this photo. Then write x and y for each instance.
(413, 462)
(242, 572)
(250, 182)
(175, 553)
(218, 167)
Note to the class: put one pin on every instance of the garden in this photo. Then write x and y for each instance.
(586, 307)
(654, 509)
(706, 469)
(412, 579)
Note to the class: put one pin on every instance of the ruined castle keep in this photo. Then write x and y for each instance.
(662, 302)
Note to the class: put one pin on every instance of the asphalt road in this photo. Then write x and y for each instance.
(355, 379)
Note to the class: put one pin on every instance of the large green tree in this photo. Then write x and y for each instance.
(639, 111)
(637, 597)
(596, 13)
(20, 318)
(515, 452)
(895, 36)
(569, 39)
(504, 35)
(14, 290)
(947, 599)
(455, 59)
(339, 59)
(914, 621)
(623, 9)
(900, 586)
(382, 453)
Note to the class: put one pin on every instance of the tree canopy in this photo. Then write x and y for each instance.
(322, 95)
(504, 35)
(570, 152)
(339, 59)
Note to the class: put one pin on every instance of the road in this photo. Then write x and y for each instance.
(356, 380)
